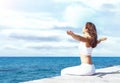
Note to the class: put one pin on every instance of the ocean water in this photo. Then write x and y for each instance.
(21, 69)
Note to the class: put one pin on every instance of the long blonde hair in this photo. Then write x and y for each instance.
(91, 30)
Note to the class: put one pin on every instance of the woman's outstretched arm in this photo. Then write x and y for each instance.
(101, 39)
(76, 37)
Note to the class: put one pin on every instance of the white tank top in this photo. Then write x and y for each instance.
(87, 51)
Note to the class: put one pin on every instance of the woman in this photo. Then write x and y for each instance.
(87, 42)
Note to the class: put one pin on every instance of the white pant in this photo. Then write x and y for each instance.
(83, 69)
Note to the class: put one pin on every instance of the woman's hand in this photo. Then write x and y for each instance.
(70, 32)
(103, 39)
(76, 36)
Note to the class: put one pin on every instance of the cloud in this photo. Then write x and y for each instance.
(10, 47)
(25, 20)
(34, 38)
(51, 47)
(20, 39)
(27, 5)
(53, 50)
(76, 14)
(39, 27)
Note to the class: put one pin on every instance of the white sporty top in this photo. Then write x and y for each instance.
(87, 51)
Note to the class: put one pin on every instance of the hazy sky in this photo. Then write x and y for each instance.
(38, 27)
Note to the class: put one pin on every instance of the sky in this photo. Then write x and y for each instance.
(38, 27)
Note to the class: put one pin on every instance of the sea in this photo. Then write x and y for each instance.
(22, 69)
